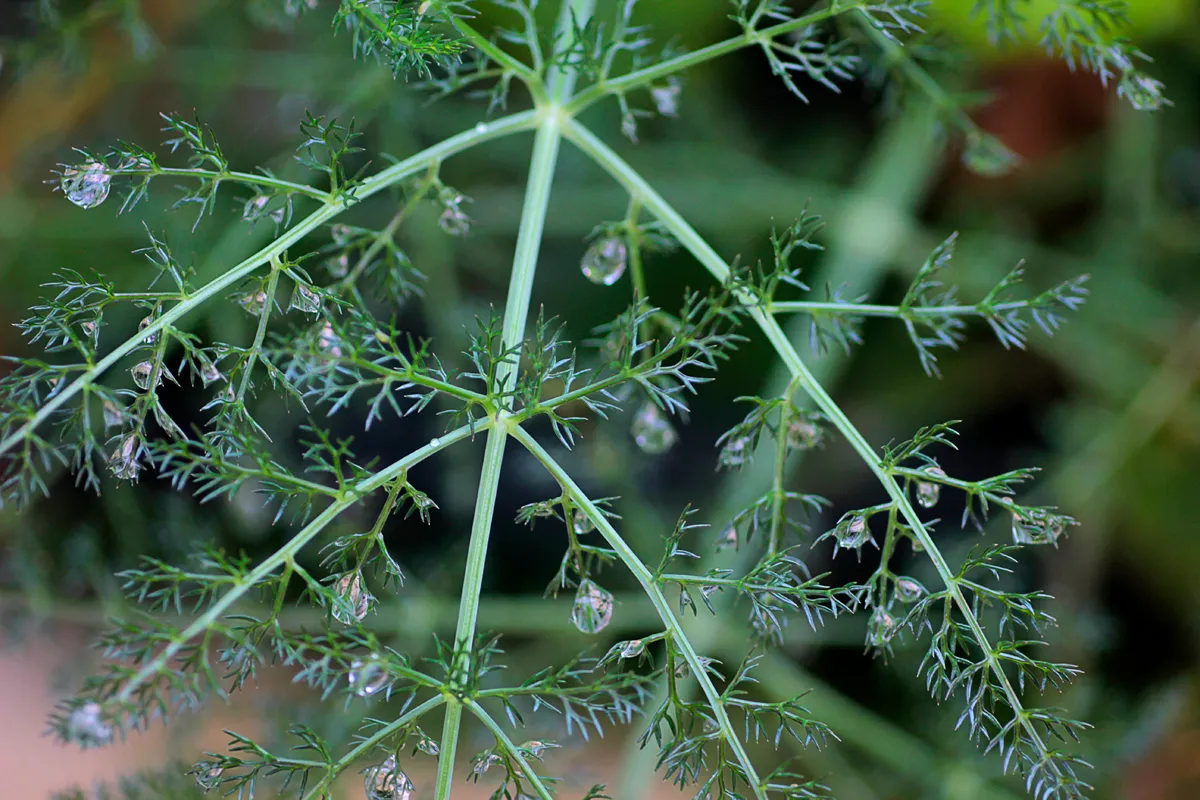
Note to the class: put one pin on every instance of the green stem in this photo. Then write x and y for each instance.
(285, 554)
(704, 253)
(663, 606)
(514, 123)
(502, 738)
(671, 66)
(260, 334)
(894, 312)
(413, 714)
(516, 313)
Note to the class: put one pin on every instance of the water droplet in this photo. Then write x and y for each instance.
(582, 523)
(652, 431)
(305, 300)
(593, 607)
(254, 207)
(880, 628)
(355, 599)
(803, 433)
(633, 648)
(435, 442)
(146, 323)
(852, 532)
(208, 774)
(929, 491)
(339, 265)
(114, 414)
(728, 540)
(682, 670)
(367, 677)
(736, 452)
(629, 127)
(328, 341)
(909, 590)
(427, 744)
(536, 747)
(209, 373)
(480, 127)
(341, 234)
(987, 156)
(387, 782)
(484, 761)
(604, 261)
(1037, 526)
(142, 372)
(253, 302)
(86, 186)
(666, 98)
(87, 727)
(89, 327)
(125, 461)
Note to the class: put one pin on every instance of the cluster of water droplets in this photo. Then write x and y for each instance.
(354, 600)
(387, 781)
(86, 186)
(125, 461)
(593, 608)
(652, 431)
(605, 260)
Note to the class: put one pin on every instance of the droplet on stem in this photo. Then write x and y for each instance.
(125, 461)
(880, 628)
(593, 607)
(666, 98)
(633, 648)
(1037, 526)
(803, 433)
(852, 532)
(928, 492)
(339, 265)
(305, 300)
(341, 234)
(605, 260)
(208, 774)
(582, 523)
(86, 186)
(253, 302)
(652, 431)
(87, 727)
(387, 782)
(355, 599)
(142, 372)
(909, 590)
(328, 341)
(728, 540)
(367, 677)
(736, 452)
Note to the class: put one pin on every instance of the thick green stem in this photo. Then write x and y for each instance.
(659, 600)
(608, 160)
(516, 314)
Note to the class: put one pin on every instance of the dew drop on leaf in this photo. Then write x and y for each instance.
(666, 98)
(339, 265)
(582, 523)
(736, 452)
(305, 300)
(328, 341)
(367, 677)
(356, 601)
(208, 774)
(125, 461)
(632, 648)
(803, 433)
(593, 607)
(86, 186)
(341, 234)
(604, 261)
(253, 302)
(909, 590)
(387, 782)
(880, 628)
(728, 540)
(254, 207)
(1037, 526)
(427, 744)
(146, 323)
(852, 532)
(928, 492)
(141, 373)
(87, 727)
(652, 431)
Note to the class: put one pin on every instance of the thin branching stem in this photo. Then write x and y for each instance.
(690, 239)
(509, 747)
(506, 126)
(661, 604)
